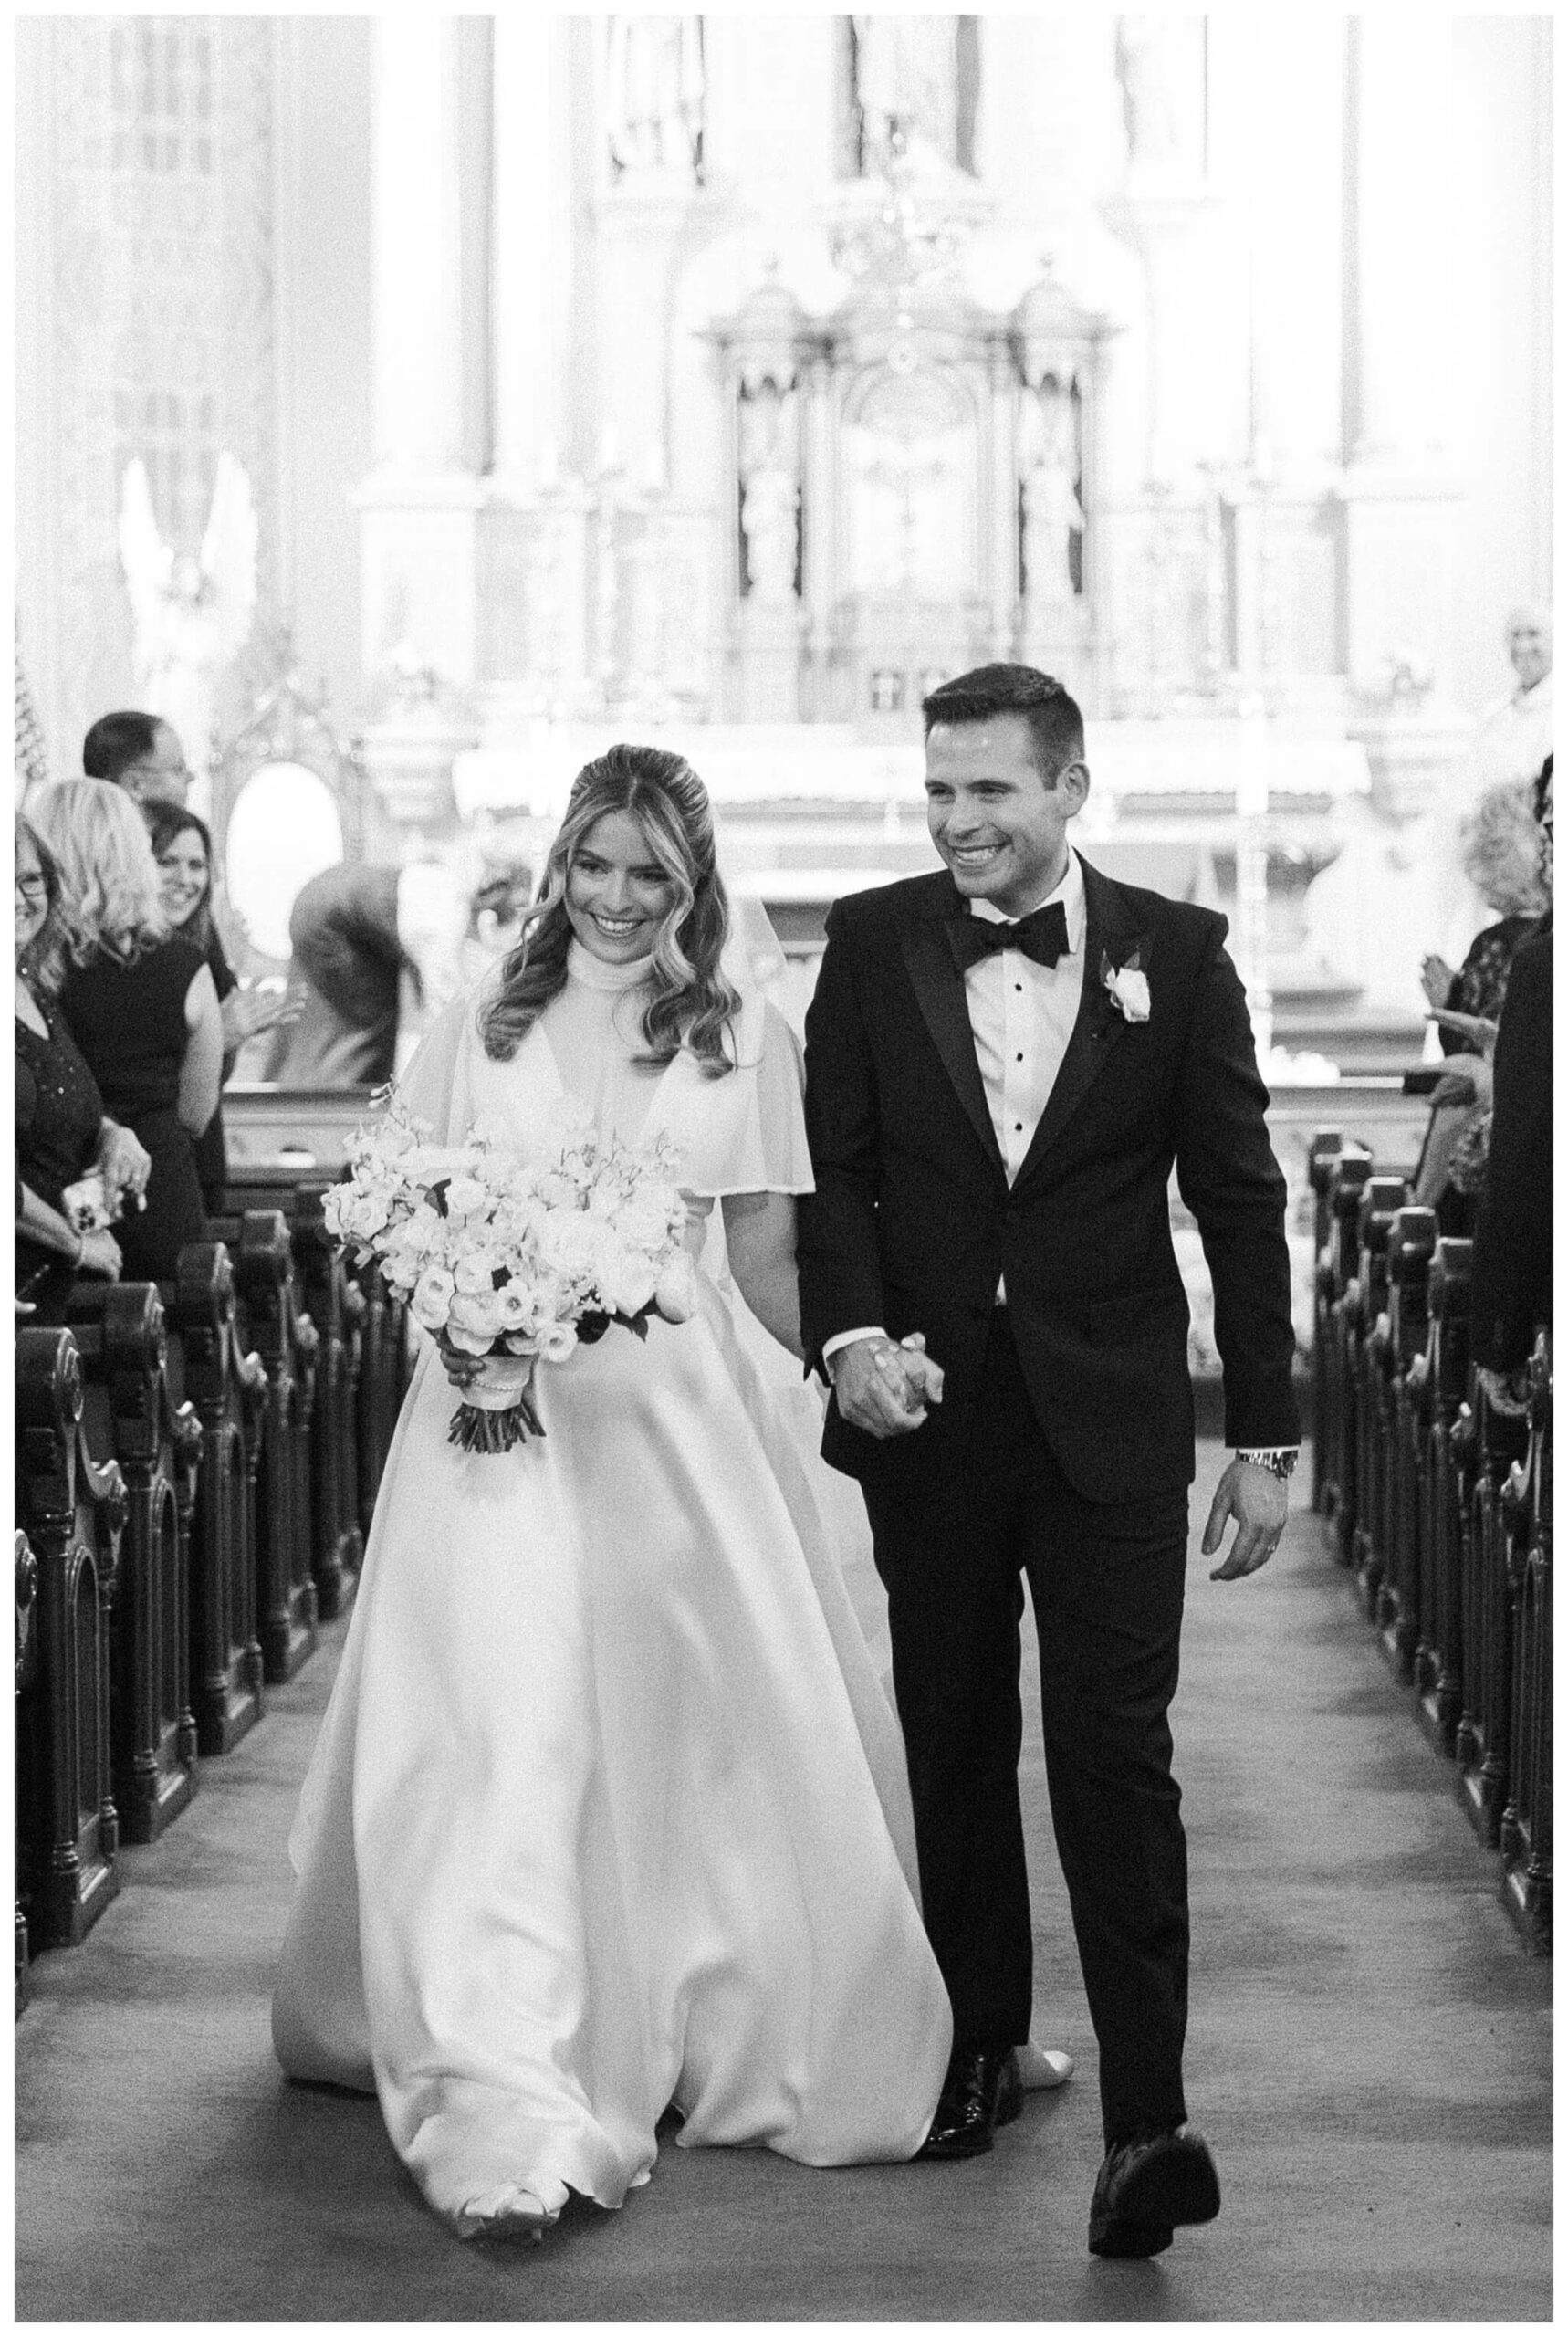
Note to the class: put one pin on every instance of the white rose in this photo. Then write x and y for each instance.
(465, 1197)
(467, 1342)
(366, 1215)
(1129, 986)
(675, 1292)
(643, 1221)
(627, 1280)
(476, 1272)
(571, 1244)
(557, 1341)
(471, 1312)
(516, 1306)
(432, 1294)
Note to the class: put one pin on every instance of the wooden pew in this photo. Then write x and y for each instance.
(73, 1511)
(1324, 1155)
(284, 1337)
(1352, 1172)
(1382, 1197)
(27, 1572)
(227, 1385)
(1525, 1831)
(1448, 1427)
(1412, 1245)
(1335, 1475)
(121, 1334)
(1490, 1525)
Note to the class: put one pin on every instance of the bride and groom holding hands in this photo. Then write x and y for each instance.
(610, 1817)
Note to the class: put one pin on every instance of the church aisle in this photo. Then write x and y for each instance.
(1369, 2055)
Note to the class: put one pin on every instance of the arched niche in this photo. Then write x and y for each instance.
(289, 799)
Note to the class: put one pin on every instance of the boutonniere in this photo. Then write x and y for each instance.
(1128, 985)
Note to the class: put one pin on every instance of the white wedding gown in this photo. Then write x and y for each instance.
(609, 1810)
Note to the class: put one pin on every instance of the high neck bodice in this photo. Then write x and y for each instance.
(594, 973)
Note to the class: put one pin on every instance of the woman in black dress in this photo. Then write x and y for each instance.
(182, 847)
(62, 1132)
(143, 1005)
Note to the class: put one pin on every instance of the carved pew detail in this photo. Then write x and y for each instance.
(1370, 1361)
(1526, 1827)
(227, 1389)
(120, 1333)
(1322, 1160)
(1351, 1174)
(386, 1369)
(1494, 1512)
(74, 1515)
(26, 1573)
(1412, 1245)
(285, 1338)
(336, 1308)
(1439, 1663)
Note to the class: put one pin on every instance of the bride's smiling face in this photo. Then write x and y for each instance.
(617, 893)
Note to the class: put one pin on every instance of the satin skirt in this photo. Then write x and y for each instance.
(609, 1810)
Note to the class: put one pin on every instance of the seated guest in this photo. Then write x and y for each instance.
(1510, 1270)
(182, 847)
(141, 1003)
(62, 1133)
(1503, 862)
(139, 752)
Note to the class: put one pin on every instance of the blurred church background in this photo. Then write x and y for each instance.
(409, 404)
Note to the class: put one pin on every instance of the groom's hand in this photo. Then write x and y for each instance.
(884, 1389)
(1258, 1500)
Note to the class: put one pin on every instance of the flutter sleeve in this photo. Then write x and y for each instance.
(753, 1134)
(435, 1085)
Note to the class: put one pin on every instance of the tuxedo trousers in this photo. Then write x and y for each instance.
(1106, 1582)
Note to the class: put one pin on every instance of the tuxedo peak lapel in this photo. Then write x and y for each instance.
(1111, 934)
(945, 1003)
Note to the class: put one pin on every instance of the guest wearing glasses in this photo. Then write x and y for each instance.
(139, 752)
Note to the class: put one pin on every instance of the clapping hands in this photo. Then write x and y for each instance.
(885, 1389)
(248, 1010)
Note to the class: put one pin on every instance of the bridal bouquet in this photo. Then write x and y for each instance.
(512, 1264)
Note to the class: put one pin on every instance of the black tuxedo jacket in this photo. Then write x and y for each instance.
(913, 1220)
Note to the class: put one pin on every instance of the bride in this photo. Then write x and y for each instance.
(608, 1814)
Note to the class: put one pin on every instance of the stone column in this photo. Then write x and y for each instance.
(1400, 497)
(418, 508)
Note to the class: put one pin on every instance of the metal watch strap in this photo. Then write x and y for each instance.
(1279, 1462)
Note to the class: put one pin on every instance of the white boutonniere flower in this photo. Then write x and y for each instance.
(1129, 986)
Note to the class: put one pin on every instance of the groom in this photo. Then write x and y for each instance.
(1003, 1064)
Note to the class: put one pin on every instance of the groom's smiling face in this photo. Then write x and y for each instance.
(999, 824)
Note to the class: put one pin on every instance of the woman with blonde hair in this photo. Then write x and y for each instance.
(139, 1000)
(62, 1134)
(608, 1817)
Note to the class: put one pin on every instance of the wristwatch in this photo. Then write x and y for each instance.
(1279, 1460)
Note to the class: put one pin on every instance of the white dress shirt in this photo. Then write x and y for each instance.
(1022, 1016)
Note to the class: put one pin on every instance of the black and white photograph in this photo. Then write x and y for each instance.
(782, 976)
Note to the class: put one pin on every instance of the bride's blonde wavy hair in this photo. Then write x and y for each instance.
(691, 1002)
(109, 877)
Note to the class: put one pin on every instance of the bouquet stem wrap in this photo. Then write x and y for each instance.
(496, 1410)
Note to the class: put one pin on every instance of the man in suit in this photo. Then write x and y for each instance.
(1003, 1063)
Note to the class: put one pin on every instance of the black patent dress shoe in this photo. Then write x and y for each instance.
(980, 2092)
(1145, 2188)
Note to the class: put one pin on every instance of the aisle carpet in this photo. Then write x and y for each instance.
(1369, 2055)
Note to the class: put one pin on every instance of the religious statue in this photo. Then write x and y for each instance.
(655, 95)
(906, 85)
(1052, 514)
(1160, 64)
(770, 492)
(192, 615)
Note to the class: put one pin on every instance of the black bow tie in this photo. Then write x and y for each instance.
(1042, 936)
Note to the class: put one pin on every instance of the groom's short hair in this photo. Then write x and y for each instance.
(1054, 721)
